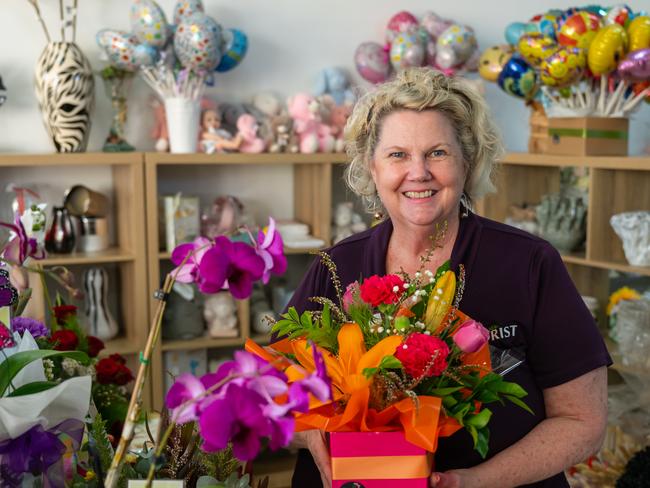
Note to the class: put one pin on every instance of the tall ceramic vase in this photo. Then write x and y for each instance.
(65, 89)
(100, 321)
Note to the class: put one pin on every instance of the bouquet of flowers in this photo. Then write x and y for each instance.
(401, 357)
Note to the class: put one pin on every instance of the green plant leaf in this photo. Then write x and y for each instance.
(519, 403)
(368, 372)
(483, 440)
(480, 420)
(390, 362)
(34, 387)
(13, 364)
(443, 392)
(509, 388)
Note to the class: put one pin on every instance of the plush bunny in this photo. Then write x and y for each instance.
(336, 83)
(314, 135)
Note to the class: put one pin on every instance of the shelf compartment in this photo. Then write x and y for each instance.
(241, 158)
(205, 342)
(111, 255)
(602, 162)
(121, 345)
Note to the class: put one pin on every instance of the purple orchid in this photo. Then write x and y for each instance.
(271, 249)
(187, 397)
(188, 272)
(232, 264)
(35, 327)
(21, 246)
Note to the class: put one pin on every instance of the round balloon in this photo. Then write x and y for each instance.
(197, 43)
(407, 50)
(372, 62)
(235, 45)
(546, 23)
(492, 60)
(515, 30)
(535, 47)
(639, 33)
(460, 39)
(596, 9)
(564, 67)
(148, 23)
(401, 22)
(434, 25)
(185, 8)
(579, 30)
(518, 78)
(618, 14)
(607, 49)
(119, 47)
(635, 66)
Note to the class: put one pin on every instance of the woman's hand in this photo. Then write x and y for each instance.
(314, 440)
(458, 478)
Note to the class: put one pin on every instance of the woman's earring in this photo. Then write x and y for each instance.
(464, 205)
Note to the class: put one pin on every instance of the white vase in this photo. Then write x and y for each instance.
(65, 89)
(183, 124)
(634, 230)
(100, 322)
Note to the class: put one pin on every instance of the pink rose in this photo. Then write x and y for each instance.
(349, 295)
(471, 336)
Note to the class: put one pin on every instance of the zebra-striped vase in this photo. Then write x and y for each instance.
(65, 89)
(100, 321)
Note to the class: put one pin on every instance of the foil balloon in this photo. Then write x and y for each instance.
(148, 23)
(639, 33)
(579, 30)
(518, 78)
(492, 61)
(235, 45)
(407, 50)
(434, 25)
(124, 51)
(607, 49)
(460, 39)
(535, 47)
(401, 22)
(515, 30)
(596, 9)
(372, 62)
(618, 14)
(197, 43)
(564, 67)
(185, 8)
(635, 66)
(546, 22)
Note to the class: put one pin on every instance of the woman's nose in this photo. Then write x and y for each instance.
(419, 169)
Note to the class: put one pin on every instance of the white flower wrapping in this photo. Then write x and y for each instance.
(69, 400)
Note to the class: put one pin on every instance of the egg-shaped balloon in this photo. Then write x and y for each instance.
(407, 50)
(618, 14)
(546, 23)
(639, 33)
(372, 62)
(516, 29)
(518, 78)
(607, 49)
(148, 23)
(401, 22)
(579, 30)
(235, 45)
(635, 66)
(492, 61)
(197, 43)
(434, 25)
(564, 67)
(185, 8)
(119, 47)
(535, 47)
(461, 39)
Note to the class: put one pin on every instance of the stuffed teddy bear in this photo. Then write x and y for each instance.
(313, 134)
(336, 83)
(220, 313)
(277, 127)
(250, 142)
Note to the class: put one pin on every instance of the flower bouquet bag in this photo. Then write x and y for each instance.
(406, 367)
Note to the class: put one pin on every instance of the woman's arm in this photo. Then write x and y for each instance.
(573, 430)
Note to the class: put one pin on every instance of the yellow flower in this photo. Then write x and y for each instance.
(625, 293)
(90, 475)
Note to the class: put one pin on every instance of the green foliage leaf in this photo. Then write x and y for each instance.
(34, 387)
(14, 364)
(449, 401)
(482, 441)
(480, 420)
(321, 331)
(369, 372)
(519, 403)
(442, 269)
(443, 392)
(509, 388)
(390, 362)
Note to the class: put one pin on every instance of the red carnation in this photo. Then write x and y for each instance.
(416, 354)
(62, 312)
(118, 358)
(64, 340)
(95, 345)
(382, 289)
(111, 370)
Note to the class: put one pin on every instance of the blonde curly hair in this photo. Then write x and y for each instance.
(423, 89)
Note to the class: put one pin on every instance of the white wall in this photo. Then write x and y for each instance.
(290, 41)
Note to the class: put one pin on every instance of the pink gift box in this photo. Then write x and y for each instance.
(378, 460)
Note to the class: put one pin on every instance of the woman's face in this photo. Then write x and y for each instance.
(418, 168)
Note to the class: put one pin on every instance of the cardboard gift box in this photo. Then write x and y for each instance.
(588, 136)
(378, 460)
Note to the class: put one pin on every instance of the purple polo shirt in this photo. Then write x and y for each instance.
(518, 286)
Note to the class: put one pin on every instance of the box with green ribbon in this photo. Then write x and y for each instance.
(588, 136)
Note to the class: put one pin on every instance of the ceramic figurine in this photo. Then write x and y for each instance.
(183, 318)
(562, 221)
(101, 323)
(346, 222)
(634, 230)
(220, 314)
(3, 93)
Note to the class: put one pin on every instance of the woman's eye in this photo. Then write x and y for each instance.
(397, 154)
(438, 153)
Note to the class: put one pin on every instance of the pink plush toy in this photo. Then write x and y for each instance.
(338, 117)
(250, 142)
(313, 133)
